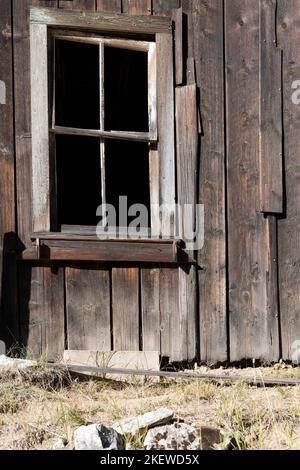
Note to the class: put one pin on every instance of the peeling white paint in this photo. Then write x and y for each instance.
(2, 92)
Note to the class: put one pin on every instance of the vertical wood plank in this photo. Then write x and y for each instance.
(206, 45)
(125, 307)
(166, 129)
(88, 309)
(172, 333)
(187, 164)
(137, 7)
(8, 238)
(253, 327)
(164, 8)
(114, 6)
(173, 341)
(42, 313)
(179, 45)
(288, 233)
(271, 148)
(77, 4)
(150, 309)
(40, 128)
(40, 289)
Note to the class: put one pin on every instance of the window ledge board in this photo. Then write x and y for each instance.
(62, 247)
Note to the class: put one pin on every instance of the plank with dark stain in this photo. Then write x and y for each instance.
(288, 227)
(253, 327)
(88, 309)
(8, 238)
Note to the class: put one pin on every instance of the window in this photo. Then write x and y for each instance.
(103, 111)
(102, 116)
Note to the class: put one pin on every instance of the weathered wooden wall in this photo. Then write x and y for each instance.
(243, 301)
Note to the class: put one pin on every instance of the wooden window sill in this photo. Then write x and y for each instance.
(67, 247)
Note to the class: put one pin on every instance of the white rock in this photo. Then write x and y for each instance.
(97, 437)
(15, 364)
(178, 436)
(140, 424)
(60, 444)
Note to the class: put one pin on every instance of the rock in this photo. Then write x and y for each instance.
(97, 437)
(8, 363)
(210, 437)
(177, 436)
(140, 424)
(60, 444)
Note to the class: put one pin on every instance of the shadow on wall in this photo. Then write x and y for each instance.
(9, 316)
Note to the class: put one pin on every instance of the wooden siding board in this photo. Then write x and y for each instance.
(187, 164)
(288, 227)
(271, 148)
(90, 21)
(109, 6)
(42, 312)
(88, 308)
(253, 328)
(206, 46)
(40, 288)
(137, 7)
(8, 237)
(125, 308)
(165, 8)
(150, 309)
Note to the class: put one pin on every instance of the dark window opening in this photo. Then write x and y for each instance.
(78, 179)
(126, 90)
(77, 101)
(127, 174)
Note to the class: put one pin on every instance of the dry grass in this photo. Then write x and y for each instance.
(39, 406)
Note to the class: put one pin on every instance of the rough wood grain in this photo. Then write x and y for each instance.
(163, 7)
(106, 251)
(205, 40)
(137, 7)
(77, 4)
(253, 328)
(42, 312)
(88, 309)
(39, 288)
(288, 232)
(172, 331)
(187, 165)
(125, 308)
(40, 128)
(271, 148)
(109, 5)
(150, 309)
(8, 238)
(179, 46)
(100, 21)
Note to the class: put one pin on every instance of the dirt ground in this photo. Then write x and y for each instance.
(37, 408)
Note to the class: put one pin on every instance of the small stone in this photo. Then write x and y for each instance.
(140, 424)
(97, 437)
(60, 444)
(178, 436)
(210, 437)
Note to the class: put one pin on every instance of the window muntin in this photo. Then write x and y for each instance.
(122, 107)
